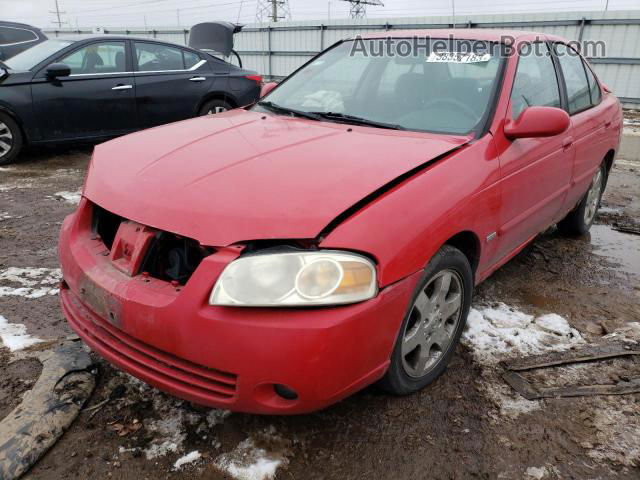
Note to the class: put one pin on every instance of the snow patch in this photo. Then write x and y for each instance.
(500, 332)
(217, 417)
(256, 458)
(536, 472)
(188, 458)
(172, 435)
(5, 216)
(14, 336)
(29, 282)
(70, 197)
(249, 462)
(161, 449)
(617, 426)
(497, 333)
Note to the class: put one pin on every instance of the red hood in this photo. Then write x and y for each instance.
(236, 176)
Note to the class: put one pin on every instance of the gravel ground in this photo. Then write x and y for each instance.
(468, 424)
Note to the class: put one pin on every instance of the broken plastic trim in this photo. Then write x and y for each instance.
(170, 257)
(47, 410)
(586, 354)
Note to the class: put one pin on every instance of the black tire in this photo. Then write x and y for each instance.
(10, 134)
(397, 379)
(211, 107)
(580, 219)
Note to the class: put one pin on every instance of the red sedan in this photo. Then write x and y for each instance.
(278, 258)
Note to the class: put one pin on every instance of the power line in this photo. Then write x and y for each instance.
(272, 10)
(359, 7)
(57, 13)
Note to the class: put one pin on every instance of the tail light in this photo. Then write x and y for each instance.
(255, 78)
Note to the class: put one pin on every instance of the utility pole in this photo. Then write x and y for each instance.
(359, 7)
(453, 10)
(240, 10)
(58, 14)
(272, 10)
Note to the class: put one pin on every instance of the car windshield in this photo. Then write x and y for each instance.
(33, 56)
(410, 84)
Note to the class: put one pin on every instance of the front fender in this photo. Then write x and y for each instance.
(403, 228)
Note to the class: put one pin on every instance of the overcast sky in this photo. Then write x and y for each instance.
(155, 13)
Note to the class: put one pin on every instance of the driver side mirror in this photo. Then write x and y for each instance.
(56, 70)
(536, 122)
(267, 87)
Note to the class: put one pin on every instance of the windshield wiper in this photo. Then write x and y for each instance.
(280, 109)
(357, 120)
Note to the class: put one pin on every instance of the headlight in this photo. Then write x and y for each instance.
(295, 279)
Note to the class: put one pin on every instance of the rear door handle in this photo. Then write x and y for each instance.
(567, 142)
(607, 124)
(122, 87)
(197, 79)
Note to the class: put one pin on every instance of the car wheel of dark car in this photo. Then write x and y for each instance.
(580, 219)
(214, 106)
(433, 323)
(10, 139)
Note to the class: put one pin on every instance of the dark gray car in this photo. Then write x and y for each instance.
(96, 87)
(17, 37)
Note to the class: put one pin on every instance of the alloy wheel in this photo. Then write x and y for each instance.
(593, 198)
(432, 323)
(6, 139)
(215, 110)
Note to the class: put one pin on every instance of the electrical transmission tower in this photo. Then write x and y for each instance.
(272, 11)
(359, 7)
(58, 14)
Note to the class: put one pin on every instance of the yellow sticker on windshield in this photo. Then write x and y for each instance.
(457, 57)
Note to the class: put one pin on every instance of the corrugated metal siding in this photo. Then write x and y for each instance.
(277, 49)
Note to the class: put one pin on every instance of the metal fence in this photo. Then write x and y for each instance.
(276, 49)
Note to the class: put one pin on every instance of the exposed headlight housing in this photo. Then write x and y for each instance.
(296, 279)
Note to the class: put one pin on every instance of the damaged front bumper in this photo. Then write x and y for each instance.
(225, 357)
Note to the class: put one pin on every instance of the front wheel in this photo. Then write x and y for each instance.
(579, 221)
(433, 324)
(10, 139)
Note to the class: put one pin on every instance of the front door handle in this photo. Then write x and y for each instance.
(122, 87)
(567, 142)
(197, 79)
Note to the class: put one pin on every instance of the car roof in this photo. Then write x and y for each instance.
(84, 37)
(490, 35)
(19, 25)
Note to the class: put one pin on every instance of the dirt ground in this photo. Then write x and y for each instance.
(468, 424)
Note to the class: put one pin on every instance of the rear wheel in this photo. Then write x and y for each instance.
(579, 221)
(214, 106)
(434, 322)
(10, 139)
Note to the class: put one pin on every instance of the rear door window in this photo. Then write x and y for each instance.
(594, 88)
(154, 57)
(14, 35)
(536, 83)
(575, 78)
(191, 59)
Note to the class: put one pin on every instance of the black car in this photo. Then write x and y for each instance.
(17, 37)
(92, 88)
